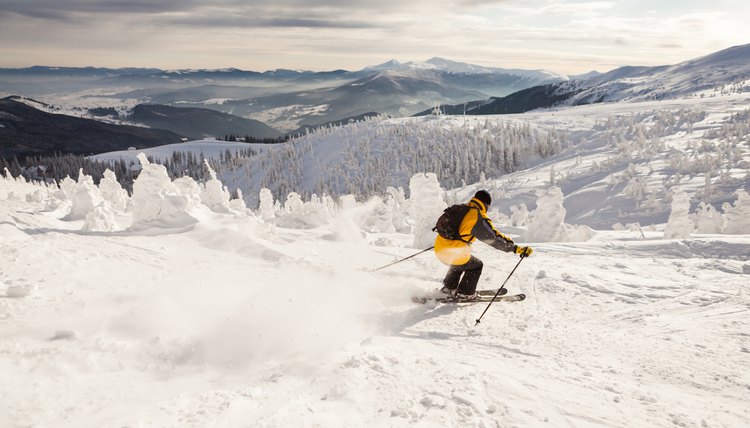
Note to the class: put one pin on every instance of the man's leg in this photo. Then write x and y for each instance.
(450, 282)
(472, 271)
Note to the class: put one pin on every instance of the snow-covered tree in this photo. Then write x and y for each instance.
(519, 215)
(679, 225)
(190, 189)
(68, 187)
(157, 201)
(266, 209)
(547, 221)
(399, 208)
(85, 198)
(738, 215)
(636, 189)
(427, 205)
(707, 220)
(238, 203)
(113, 192)
(293, 203)
(213, 194)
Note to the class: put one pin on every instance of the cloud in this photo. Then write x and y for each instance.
(576, 8)
(564, 36)
(67, 9)
(215, 13)
(242, 22)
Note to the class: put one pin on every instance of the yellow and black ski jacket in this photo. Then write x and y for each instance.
(475, 225)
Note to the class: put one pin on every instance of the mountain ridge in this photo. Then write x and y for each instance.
(25, 130)
(700, 77)
(195, 123)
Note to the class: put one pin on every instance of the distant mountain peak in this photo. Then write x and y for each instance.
(388, 65)
(585, 76)
(455, 67)
(730, 56)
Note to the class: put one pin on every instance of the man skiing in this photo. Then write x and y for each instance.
(454, 250)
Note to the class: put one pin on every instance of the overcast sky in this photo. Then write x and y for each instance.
(562, 36)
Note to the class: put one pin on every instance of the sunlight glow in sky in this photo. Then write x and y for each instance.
(562, 36)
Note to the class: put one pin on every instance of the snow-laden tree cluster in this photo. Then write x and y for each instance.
(364, 157)
(651, 154)
(735, 219)
(159, 202)
(179, 164)
(646, 156)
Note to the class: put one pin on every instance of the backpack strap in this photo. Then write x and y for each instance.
(471, 207)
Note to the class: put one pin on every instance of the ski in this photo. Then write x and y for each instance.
(487, 292)
(482, 299)
(503, 292)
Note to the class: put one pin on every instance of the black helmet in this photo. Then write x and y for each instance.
(485, 197)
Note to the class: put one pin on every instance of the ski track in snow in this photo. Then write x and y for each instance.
(217, 325)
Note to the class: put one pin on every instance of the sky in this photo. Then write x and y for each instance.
(567, 37)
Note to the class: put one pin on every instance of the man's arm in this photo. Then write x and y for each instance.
(486, 232)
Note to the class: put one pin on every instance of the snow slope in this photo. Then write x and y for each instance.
(231, 320)
(180, 307)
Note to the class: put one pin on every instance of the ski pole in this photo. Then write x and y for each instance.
(405, 258)
(499, 290)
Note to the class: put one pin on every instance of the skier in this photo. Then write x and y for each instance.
(456, 253)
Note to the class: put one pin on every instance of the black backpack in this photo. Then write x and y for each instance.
(449, 223)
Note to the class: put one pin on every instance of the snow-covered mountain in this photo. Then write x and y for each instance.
(392, 88)
(289, 99)
(284, 99)
(721, 72)
(27, 131)
(30, 127)
(453, 67)
(196, 123)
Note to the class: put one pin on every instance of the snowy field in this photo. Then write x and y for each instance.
(178, 307)
(211, 149)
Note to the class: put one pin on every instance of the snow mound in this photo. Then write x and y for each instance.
(101, 219)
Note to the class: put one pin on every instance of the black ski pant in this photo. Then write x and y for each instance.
(471, 271)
